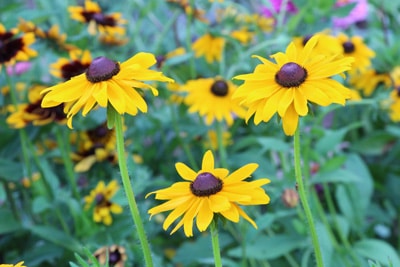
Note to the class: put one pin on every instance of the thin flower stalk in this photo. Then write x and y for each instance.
(129, 191)
(215, 244)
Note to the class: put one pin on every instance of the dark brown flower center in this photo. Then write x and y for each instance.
(398, 90)
(291, 75)
(205, 184)
(306, 39)
(8, 47)
(220, 88)
(104, 20)
(72, 69)
(99, 199)
(102, 69)
(348, 47)
(114, 257)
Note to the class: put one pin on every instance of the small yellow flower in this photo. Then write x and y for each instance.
(212, 98)
(368, 80)
(32, 112)
(287, 86)
(103, 206)
(106, 82)
(356, 48)
(92, 14)
(211, 47)
(77, 63)
(208, 192)
(15, 48)
(19, 264)
(243, 35)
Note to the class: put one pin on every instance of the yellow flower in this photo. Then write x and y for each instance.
(14, 48)
(209, 46)
(287, 86)
(212, 98)
(92, 14)
(19, 264)
(355, 47)
(368, 80)
(106, 82)
(103, 206)
(212, 140)
(394, 108)
(32, 112)
(77, 63)
(94, 145)
(326, 45)
(242, 35)
(208, 192)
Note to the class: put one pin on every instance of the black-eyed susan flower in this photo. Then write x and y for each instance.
(92, 14)
(356, 48)
(33, 113)
(94, 145)
(327, 44)
(287, 86)
(115, 254)
(207, 193)
(212, 98)
(77, 63)
(19, 264)
(209, 46)
(100, 198)
(394, 107)
(368, 80)
(113, 39)
(13, 48)
(106, 82)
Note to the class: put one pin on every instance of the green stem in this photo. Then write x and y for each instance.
(303, 198)
(188, 34)
(129, 191)
(65, 154)
(215, 244)
(10, 200)
(221, 146)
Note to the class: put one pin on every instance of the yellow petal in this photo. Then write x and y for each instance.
(205, 216)
(185, 172)
(241, 174)
(208, 162)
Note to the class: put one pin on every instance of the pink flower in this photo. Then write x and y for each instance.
(19, 68)
(357, 14)
(276, 8)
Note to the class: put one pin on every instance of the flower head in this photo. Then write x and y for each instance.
(368, 80)
(95, 145)
(287, 86)
(14, 48)
(209, 46)
(356, 48)
(103, 206)
(106, 82)
(212, 98)
(208, 192)
(92, 14)
(276, 8)
(77, 63)
(34, 113)
(116, 256)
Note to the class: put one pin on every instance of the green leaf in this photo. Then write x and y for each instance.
(274, 144)
(111, 113)
(330, 140)
(8, 223)
(337, 176)
(377, 250)
(40, 204)
(55, 236)
(374, 144)
(270, 247)
(11, 171)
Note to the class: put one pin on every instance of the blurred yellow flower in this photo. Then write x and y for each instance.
(209, 46)
(103, 206)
